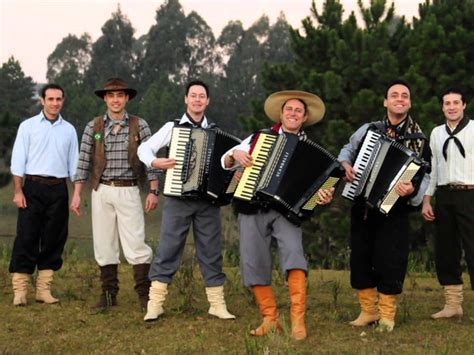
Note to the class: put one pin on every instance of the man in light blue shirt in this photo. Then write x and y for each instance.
(45, 153)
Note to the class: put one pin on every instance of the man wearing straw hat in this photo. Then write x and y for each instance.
(290, 110)
(109, 151)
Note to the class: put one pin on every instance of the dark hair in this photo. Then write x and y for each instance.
(50, 86)
(397, 82)
(197, 82)
(304, 104)
(453, 90)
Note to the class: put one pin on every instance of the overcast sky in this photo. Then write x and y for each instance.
(30, 30)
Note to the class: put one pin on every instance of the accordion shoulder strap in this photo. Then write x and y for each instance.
(378, 126)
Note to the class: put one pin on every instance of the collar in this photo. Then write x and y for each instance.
(109, 122)
(56, 121)
(277, 127)
(459, 127)
(186, 119)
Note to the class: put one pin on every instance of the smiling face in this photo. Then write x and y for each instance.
(196, 101)
(116, 101)
(293, 115)
(453, 108)
(398, 103)
(52, 103)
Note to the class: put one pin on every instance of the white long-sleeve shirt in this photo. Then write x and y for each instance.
(456, 169)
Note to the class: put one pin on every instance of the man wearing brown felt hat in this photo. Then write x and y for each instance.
(108, 155)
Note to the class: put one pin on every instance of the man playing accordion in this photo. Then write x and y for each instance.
(258, 223)
(180, 213)
(380, 242)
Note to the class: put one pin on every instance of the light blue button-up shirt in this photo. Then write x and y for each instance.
(42, 148)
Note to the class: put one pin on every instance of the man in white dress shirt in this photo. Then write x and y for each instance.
(180, 213)
(452, 178)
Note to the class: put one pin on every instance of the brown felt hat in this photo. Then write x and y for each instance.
(116, 84)
(315, 108)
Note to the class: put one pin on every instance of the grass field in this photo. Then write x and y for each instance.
(186, 328)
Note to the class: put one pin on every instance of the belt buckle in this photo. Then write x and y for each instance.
(112, 183)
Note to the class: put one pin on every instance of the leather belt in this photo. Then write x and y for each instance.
(119, 183)
(456, 187)
(47, 180)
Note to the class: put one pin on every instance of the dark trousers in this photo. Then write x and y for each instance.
(178, 215)
(379, 249)
(42, 228)
(454, 213)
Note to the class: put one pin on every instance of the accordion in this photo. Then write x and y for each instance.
(380, 165)
(287, 173)
(198, 171)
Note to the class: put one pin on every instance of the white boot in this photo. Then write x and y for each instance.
(20, 288)
(453, 306)
(43, 287)
(215, 296)
(157, 296)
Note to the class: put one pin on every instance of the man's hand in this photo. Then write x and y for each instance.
(404, 188)
(325, 196)
(243, 158)
(350, 172)
(75, 205)
(163, 163)
(427, 210)
(19, 199)
(151, 202)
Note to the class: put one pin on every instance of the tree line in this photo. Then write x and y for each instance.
(346, 61)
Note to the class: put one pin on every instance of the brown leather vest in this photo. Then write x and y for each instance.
(98, 152)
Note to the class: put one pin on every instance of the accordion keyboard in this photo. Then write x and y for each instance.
(173, 181)
(353, 189)
(250, 177)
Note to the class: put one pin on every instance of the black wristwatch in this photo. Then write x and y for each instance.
(155, 192)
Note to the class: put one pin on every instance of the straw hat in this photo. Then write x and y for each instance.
(116, 84)
(314, 105)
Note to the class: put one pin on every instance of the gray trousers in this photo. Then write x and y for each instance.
(256, 233)
(177, 218)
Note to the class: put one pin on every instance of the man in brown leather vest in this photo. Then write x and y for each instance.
(109, 155)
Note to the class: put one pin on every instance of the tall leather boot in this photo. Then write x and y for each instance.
(110, 288)
(157, 295)
(142, 283)
(297, 289)
(268, 309)
(453, 307)
(43, 287)
(369, 312)
(218, 308)
(387, 309)
(20, 288)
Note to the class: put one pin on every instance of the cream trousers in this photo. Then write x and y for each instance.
(117, 215)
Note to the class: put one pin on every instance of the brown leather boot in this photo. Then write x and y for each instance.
(297, 289)
(142, 283)
(268, 310)
(110, 288)
(369, 312)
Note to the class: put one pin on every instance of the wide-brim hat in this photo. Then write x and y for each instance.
(315, 108)
(116, 84)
